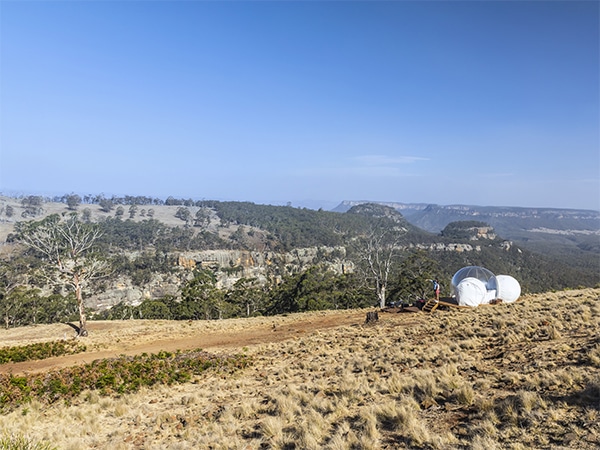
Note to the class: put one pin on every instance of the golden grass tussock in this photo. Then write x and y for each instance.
(594, 356)
(518, 376)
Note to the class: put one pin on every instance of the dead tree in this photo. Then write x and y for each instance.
(379, 254)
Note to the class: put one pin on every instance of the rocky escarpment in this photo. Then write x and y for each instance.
(228, 265)
(457, 247)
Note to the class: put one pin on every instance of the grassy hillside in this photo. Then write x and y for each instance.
(520, 376)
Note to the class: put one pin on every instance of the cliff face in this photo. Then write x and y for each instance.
(458, 247)
(229, 266)
(123, 290)
(249, 260)
(480, 233)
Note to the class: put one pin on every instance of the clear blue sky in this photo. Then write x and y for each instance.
(475, 102)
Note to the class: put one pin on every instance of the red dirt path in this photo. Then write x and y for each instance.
(214, 340)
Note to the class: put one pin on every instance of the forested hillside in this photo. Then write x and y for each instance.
(570, 235)
(184, 259)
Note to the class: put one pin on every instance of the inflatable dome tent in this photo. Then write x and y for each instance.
(475, 285)
(471, 292)
(507, 288)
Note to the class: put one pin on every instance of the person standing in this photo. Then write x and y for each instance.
(436, 289)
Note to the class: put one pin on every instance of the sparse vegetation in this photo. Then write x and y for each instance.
(40, 350)
(497, 377)
(114, 376)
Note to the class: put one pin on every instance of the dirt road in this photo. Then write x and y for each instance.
(271, 330)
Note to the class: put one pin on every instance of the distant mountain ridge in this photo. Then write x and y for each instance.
(557, 232)
(434, 218)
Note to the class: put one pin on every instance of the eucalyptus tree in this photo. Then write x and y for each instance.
(184, 214)
(13, 275)
(414, 275)
(202, 218)
(106, 204)
(33, 205)
(378, 251)
(67, 247)
(378, 246)
(246, 297)
(200, 298)
(73, 201)
(86, 215)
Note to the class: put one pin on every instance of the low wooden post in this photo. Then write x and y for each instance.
(372, 316)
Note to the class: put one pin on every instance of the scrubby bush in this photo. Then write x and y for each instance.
(113, 376)
(40, 350)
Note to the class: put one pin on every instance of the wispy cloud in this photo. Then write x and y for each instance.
(368, 166)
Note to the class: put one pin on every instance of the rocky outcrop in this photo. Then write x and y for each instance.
(124, 291)
(480, 233)
(441, 247)
(229, 267)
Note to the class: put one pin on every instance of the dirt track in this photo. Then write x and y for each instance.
(272, 330)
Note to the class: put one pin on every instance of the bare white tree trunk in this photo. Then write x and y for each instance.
(380, 252)
(79, 296)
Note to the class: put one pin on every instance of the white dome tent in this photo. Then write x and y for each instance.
(508, 289)
(470, 292)
(475, 285)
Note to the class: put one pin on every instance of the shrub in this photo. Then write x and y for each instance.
(113, 376)
(40, 350)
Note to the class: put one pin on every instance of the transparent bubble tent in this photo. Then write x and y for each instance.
(481, 273)
(475, 285)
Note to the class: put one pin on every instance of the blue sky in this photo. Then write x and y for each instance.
(309, 102)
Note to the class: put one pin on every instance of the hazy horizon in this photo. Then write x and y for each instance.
(302, 203)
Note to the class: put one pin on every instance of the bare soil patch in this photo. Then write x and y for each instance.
(110, 339)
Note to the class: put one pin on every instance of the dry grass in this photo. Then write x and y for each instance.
(516, 376)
